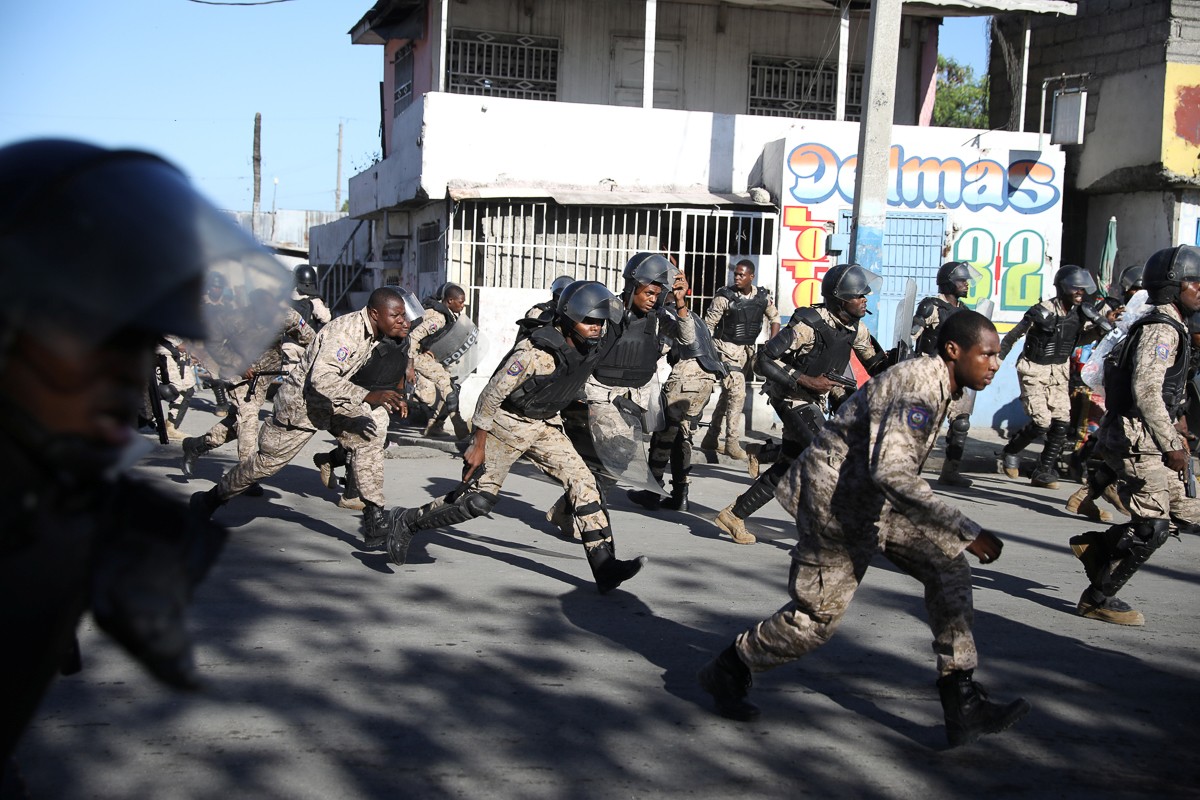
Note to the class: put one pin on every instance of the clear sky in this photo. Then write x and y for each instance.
(184, 80)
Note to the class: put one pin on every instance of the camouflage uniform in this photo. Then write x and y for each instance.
(434, 379)
(176, 371)
(857, 491)
(686, 393)
(246, 398)
(926, 321)
(1133, 445)
(731, 403)
(316, 395)
(511, 435)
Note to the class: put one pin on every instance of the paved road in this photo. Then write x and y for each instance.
(489, 666)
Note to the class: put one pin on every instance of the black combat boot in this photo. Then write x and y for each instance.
(968, 711)
(205, 504)
(728, 680)
(678, 501)
(645, 498)
(374, 526)
(399, 533)
(193, 448)
(610, 571)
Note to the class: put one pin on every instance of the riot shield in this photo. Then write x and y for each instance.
(902, 330)
(461, 349)
(987, 308)
(617, 434)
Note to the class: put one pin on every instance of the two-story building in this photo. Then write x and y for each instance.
(519, 144)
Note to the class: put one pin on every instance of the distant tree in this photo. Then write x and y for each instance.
(961, 100)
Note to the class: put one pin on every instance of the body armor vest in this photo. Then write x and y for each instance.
(1053, 346)
(703, 350)
(449, 320)
(632, 359)
(927, 341)
(543, 396)
(830, 351)
(304, 307)
(386, 366)
(742, 321)
(1118, 370)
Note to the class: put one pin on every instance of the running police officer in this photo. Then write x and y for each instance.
(518, 415)
(802, 364)
(735, 320)
(1145, 385)
(440, 338)
(954, 282)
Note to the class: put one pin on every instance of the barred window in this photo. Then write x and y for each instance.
(796, 87)
(429, 254)
(402, 80)
(502, 64)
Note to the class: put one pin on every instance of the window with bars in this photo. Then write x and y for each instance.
(429, 254)
(502, 64)
(796, 87)
(402, 80)
(527, 243)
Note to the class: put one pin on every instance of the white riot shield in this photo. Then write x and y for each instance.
(618, 436)
(987, 308)
(902, 331)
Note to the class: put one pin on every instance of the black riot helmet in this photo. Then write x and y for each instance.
(560, 283)
(584, 300)
(1167, 269)
(645, 269)
(306, 280)
(1129, 281)
(957, 278)
(1070, 279)
(847, 282)
(95, 241)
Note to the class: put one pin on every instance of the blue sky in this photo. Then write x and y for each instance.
(184, 80)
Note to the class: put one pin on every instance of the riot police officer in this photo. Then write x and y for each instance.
(954, 282)
(79, 226)
(735, 320)
(1053, 329)
(1145, 383)
(543, 312)
(306, 298)
(518, 415)
(802, 364)
(441, 338)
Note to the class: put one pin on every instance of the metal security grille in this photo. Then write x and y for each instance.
(502, 64)
(793, 87)
(527, 244)
(402, 79)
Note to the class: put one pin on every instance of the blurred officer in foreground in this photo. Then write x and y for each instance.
(856, 492)
(101, 253)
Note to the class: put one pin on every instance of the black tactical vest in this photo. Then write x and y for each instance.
(831, 348)
(632, 359)
(703, 350)
(1118, 370)
(742, 321)
(304, 307)
(1055, 345)
(927, 341)
(543, 396)
(385, 368)
(447, 323)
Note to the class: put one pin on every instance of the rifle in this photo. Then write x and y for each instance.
(254, 381)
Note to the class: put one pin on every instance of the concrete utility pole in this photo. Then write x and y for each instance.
(875, 143)
(337, 193)
(648, 54)
(256, 158)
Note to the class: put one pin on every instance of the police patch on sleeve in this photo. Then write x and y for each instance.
(918, 418)
(1162, 351)
(343, 353)
(515, 368)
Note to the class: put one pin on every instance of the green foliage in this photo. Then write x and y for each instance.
(961, 100)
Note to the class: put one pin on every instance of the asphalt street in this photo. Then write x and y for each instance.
(489, 666)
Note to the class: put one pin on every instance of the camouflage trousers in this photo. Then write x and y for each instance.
(279, 444)
(434, 385)
(241, 423)
(1044, 391)
(730, 411)
(602, 434)
(829, 561)
(685, 394)
(543, 443)
(364, 456)
(1147, 486)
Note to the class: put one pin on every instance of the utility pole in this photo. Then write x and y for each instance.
(875, 143)
(256, 205)
(337, 193)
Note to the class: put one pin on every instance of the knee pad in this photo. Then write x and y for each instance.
(479, 504)
(961, 424)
